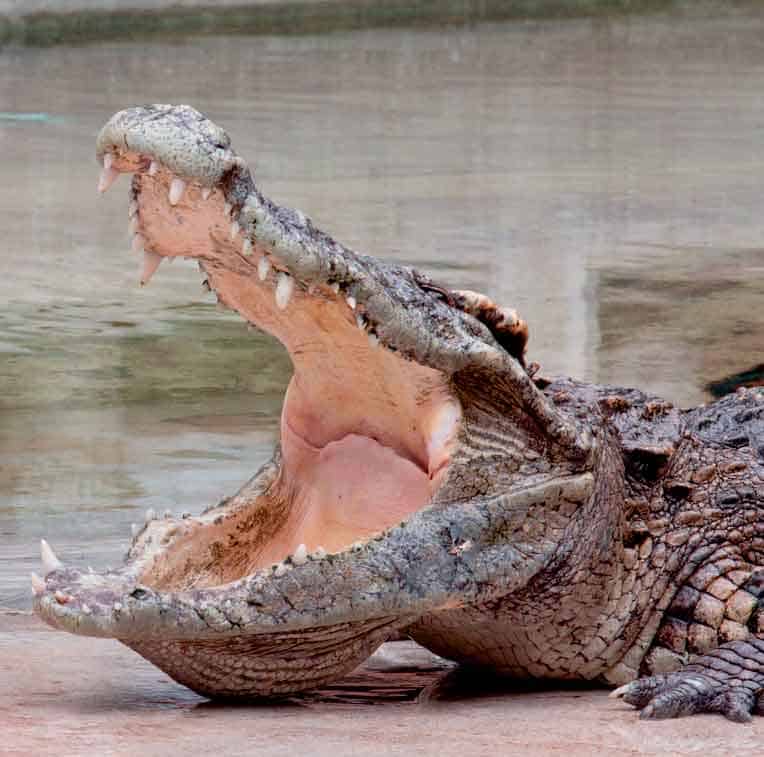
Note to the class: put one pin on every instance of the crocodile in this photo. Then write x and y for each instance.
(428, 481)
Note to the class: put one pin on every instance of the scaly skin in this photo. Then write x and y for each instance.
(571, 531)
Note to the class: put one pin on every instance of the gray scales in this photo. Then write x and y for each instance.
(428, 481)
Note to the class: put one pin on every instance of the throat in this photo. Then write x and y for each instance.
(348, 489)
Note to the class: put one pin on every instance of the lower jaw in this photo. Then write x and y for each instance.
(321, 500)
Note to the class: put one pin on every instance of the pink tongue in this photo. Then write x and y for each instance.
(351, 488)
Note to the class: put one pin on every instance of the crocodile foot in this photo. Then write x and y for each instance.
(728, 680)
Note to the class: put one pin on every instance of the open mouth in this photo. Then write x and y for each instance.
(366, 434)
(414, 448)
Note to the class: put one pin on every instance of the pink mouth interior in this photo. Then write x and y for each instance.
(365, 434)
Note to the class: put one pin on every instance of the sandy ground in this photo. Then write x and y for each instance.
(67, 695)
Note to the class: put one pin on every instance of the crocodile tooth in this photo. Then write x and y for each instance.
(300, 556)
(38, 585)
(177, 187)
(86, 609)
(206, 192)
(284, 289)
(136, 243)
(49, 560)
(351, 301)
(109, 174)
(150, 515)
(335, 287)
(246, 248)
(62, 598)
(234, 230)
(373, 340)
(132, 209)
(263, 268)
(280, 569)
(153, 168)
(134, 529)
(227, 208)
(360, 322)
(319, 553)
(151, 261)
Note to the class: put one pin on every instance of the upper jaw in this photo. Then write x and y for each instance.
(176, 150)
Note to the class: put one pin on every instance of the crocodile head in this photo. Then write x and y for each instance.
(416, 460)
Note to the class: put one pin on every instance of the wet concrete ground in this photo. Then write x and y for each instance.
(69, 695)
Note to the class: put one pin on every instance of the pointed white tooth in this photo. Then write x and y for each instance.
(351, 301)
(133, 226)
(150, 515)
(38, 585)
(117, 606)
(300, 556)
(49, 560)
(227, 208)
(234, 230)
(373, 340)
(360, 322)
(335, 287)
(280, 569)
(153, 168)
(137, 242)
(134, 529)
(284, 289)
(206, 192)
(263, 268)
(86, 610)
(108, 160)
(132, 209)
(108, 175)
(151, 262)
(319, 553)
(177, 187)
(246, 248)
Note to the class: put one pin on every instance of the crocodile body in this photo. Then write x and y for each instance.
(427, 481)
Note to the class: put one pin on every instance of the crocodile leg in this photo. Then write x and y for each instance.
(728, 680)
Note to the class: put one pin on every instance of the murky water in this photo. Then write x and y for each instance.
(605, 177)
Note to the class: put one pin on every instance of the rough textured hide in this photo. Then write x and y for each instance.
(426, 481)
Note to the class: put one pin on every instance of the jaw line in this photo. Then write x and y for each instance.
(368, 579)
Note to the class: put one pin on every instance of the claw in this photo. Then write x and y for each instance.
(620, 691)
(49, 560)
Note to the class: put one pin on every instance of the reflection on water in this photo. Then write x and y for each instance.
(605, 177)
